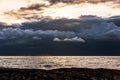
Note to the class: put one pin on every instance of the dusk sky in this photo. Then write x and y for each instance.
(59, 27)
(19, 11)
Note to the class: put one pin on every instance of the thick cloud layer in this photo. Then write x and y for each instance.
(24, 36)
(89, 35)
(76, 30)
(55, 26)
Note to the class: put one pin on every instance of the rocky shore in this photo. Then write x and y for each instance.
(59, 74)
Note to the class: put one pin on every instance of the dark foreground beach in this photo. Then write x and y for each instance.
(59, 74)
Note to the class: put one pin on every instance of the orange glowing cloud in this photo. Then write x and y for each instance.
(34, 10)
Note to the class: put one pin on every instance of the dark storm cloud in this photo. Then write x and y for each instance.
(89, 35)
(115, 20)
(11, 36)
(87, 27)
(75, 25)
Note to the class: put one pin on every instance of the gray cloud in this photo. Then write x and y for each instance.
(74, 25)
(33, 7)
(77, 30)
(83, 1)
(19, 36)
(64, 24)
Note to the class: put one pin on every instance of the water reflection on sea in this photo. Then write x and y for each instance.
(52, 62)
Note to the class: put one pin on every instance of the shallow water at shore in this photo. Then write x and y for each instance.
(53, 62)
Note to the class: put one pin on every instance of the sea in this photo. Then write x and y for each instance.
(54, 62)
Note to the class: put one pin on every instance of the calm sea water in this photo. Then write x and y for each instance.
(52, 62)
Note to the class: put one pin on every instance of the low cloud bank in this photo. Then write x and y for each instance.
(75, 30)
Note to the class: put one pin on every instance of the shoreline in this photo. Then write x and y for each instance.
(59, 74)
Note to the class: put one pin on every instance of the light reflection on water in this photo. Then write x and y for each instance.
(52, 62)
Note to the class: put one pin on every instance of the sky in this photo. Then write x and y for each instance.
(58, 27)
(33, 10)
